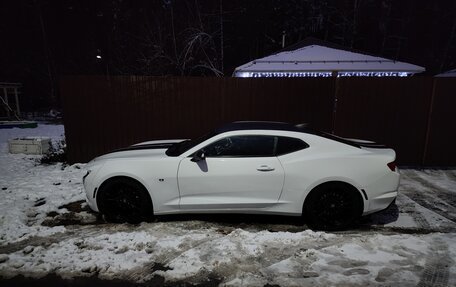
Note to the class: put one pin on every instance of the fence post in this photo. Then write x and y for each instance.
(336, 96)
(428, 127)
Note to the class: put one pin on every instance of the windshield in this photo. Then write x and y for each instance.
(179, 148)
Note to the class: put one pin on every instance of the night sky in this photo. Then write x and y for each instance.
(44, 39)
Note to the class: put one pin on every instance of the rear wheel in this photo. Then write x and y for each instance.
(333, 206)
(123, 199)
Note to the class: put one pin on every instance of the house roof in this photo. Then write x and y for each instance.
(450, 73)
(317, 56)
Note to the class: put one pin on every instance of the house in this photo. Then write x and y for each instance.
(316, 58)
(450, 73)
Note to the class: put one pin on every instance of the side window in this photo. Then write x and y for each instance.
(242, 146)
(288, 145)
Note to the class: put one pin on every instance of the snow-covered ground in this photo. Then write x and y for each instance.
(46, 228)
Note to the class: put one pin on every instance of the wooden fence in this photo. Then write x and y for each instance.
(413, 115)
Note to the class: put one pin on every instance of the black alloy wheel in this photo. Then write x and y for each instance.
(124, 200)
(332, 206)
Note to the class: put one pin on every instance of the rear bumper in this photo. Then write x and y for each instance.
(380, 203)
(382, 192)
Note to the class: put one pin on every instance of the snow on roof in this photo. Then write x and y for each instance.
(450, 73)
(321, 58)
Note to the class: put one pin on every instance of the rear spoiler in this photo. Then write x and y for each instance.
(363, 143)
(352, 142)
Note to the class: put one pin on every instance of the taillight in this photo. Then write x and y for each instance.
(392, 166)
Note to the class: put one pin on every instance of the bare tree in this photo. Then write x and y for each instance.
(450, 42)
(47, 53)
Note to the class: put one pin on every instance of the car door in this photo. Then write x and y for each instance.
(237, 172)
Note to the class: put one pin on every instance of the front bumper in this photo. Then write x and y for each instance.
(91, 185)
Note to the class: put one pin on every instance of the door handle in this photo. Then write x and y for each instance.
(265, 168)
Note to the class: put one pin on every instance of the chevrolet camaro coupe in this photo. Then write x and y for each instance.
(246, 167)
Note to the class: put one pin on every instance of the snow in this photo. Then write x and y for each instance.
(320, 58)
(413, 243)
(24, 182)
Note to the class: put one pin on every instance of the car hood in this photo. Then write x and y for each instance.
(150, 149)
(157, 142)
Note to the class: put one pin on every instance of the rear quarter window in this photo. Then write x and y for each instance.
(287, 145)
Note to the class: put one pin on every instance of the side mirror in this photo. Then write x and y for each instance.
(198, 156)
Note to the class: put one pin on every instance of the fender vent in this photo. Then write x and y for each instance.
(364, 193)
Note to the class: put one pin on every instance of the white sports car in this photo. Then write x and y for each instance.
(246, 167)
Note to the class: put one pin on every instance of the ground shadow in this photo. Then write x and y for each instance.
(277, 223)
(257, 222)
(388, 215)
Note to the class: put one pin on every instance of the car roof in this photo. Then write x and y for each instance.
(261, 125)
(281, 126)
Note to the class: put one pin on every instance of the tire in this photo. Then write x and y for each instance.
(332, 206)
(122, 199)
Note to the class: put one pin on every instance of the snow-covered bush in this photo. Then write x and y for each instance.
(57, 153)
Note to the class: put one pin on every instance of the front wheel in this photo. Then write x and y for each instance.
(122, 199)
(332, 206)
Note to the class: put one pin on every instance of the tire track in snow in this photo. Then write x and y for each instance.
(441, 192)
(437, 267)
(430, 203)
(451, 174)
(73, 233)
(428, 199)
(36, 241)
(77, 232)
(419, 219)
